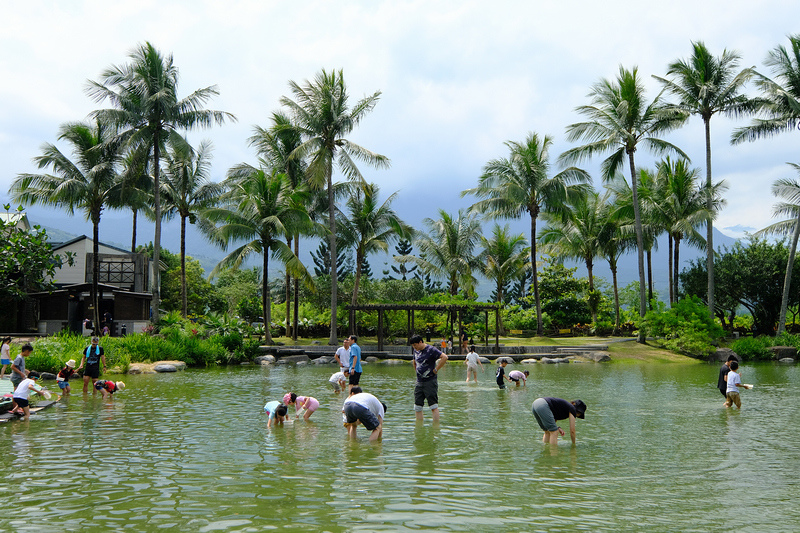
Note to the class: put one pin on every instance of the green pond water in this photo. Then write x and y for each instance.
(190, 451)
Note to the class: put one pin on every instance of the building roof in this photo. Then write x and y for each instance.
(20, 220)
(60, 245)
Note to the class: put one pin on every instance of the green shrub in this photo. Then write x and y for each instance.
(753, 348)
(686, 327)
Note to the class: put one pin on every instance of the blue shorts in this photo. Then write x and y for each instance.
(5, 361)
(356, 412)
(544, 415)
(63, 384)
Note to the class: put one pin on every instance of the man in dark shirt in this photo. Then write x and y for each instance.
(722, 382)
(427, 363)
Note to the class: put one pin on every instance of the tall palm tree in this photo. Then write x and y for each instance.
(321, 114)
(275, 145)
(372, 227)
(146, 108)
(613, 242)
(706, 85)
(620, 121)
(85, 183)
(576, 232)
(521, 185)
(448, 250)
(789, 191)
(135, 189)
(187, 189)
(260, 208)
(505, 258)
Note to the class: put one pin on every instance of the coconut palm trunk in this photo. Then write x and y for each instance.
(637, 220)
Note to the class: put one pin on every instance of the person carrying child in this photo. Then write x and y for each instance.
(108, 387)
(276, 413)
(304, 405)
(516, 376)
(22, 392)
(734, 382)
(63, 376)
(472, 361)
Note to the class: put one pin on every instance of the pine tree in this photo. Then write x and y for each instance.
(322, 262)
(403, 248)
(366, 270)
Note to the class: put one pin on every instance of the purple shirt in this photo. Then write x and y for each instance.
(426, 360)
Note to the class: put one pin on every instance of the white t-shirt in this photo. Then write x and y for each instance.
(344, 356)
(336, 377)
(24, 388)
(369, 401)
(5, 352)
(734, 380)
(472, 358)
(516, 374)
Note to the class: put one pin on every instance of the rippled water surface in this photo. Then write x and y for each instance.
(191, 451)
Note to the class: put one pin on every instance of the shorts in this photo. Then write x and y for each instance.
(355, 377)
(426, 390)
(544, 415)
(473, 367)
(335, 385)
(100, 386)
(312, 406)
(734, 399)
(501, 384)
(356, 412)
(5, 361)
(93, 371)
(63, 384)
(515, 380)
(21, 402)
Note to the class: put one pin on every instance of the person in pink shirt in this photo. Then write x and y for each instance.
(516, 376)
(304, 405)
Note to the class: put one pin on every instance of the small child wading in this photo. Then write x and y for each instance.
(734, 382)
(473, 361)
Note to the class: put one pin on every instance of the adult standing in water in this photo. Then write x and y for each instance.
(93, 356)
(427, 362)
(548, 410)
(722, 381)
(355, 362)
(342, 356)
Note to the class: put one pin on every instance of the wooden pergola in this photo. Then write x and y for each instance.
(452, 309)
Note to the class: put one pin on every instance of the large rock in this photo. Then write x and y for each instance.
(47, 376)
(722, 354)
(164, 367)
(371, 359)
(264, 359)
(600, 357)
(788, 360)
(529, 361)
(784, 352)
(508, 360)
(303, 359)
(140, 368)
(484, 360)
(394, 361)
(323, 360)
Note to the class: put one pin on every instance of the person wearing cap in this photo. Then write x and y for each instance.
(549, 410)
(93, 356)
(64, 375)
(364, 408)
(722, 381)
(22, 392)
(108, 387)
(427, 362)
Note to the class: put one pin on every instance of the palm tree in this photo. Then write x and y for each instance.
(614, 241)
(520, 185)
(146, 108)
(275, 146)
(706, 85)
(505, 258)
(85, 183)
(260, 208)
(576, 233)
(789, 191)
(135, 188)
(372, 227)
(619, 120)
(321, 115)
(448, 250)
(187, 189)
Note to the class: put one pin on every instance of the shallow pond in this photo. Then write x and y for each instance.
(191, 451)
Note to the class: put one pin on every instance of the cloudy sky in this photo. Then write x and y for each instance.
(458, 79)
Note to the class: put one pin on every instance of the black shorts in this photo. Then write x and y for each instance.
(93, 371)
(22, 402)
(355, 377)
(357, 412)
(426, 390)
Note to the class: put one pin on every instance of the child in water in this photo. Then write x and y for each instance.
(108, 387)
(516, 376)
(734, 382)
(304, 405)
(500, 374)
(276, 413)
(338, 380)
(22, 392)
(472, 361)
(64, 375)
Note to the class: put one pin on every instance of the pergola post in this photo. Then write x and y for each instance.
(486, 328)
(380, 330)
(497, 330)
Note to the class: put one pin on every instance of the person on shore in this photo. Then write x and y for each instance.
(516, 376)
(5, 355)
(427, 362)
(548, 410)
(464, 342)
(364, 408)
(276, 413)
(108, 387)
(338, 381)
(734, 381)
(63, 376)
(93, 357)
(473, 361)
(500, 374)
(355, 362)
(443, 344)
(303, 405)
(22, 392)
(342, 356)
(722, 381)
